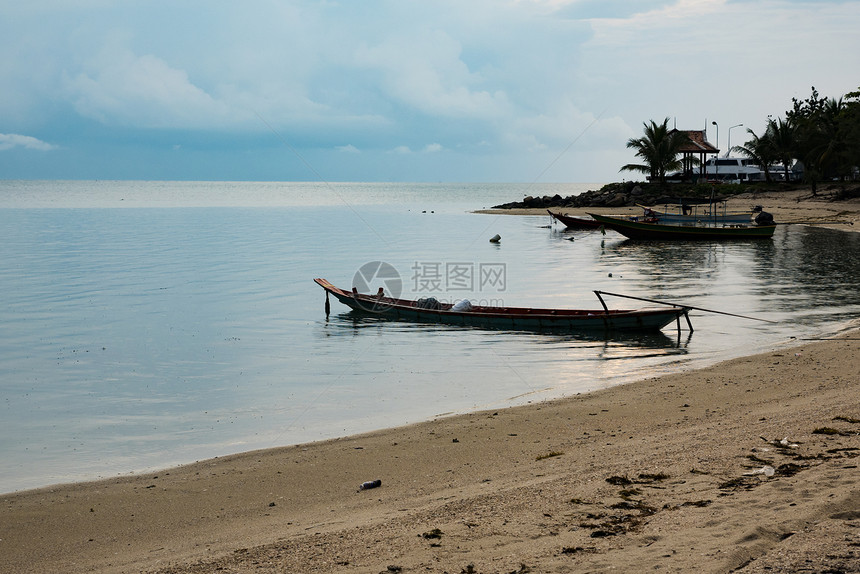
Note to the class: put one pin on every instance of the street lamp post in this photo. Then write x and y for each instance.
(729, 144)
(716, 166)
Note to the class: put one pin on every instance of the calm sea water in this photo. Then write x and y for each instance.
(149, 324)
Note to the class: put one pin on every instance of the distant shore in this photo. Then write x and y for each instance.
(796, 206)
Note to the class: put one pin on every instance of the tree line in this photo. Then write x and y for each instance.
(823, 134)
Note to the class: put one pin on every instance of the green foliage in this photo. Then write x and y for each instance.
(658, 149)
(823, 134)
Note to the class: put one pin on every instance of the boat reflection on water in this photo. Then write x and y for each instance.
(607, 346)
(699, 231)
(464, 313)
(805, 273)
(686, 257)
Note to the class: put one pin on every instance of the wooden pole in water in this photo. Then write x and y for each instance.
(598, 293)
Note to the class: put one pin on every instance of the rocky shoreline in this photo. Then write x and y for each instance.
(629, 194)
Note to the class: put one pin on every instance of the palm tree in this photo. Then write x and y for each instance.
(659, 149)
(760, 150)
(783, 138)
(830, 145)
(850, 126)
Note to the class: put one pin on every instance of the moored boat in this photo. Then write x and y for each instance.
(574, 222)
(737, 170)
(686, 212)
(699, 231)
(515, 318)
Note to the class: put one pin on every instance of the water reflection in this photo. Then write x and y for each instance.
(821, 261)
(605, 345)
(802, 271)
(155, 336)
(692, 259)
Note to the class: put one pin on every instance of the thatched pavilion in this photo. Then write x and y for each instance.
(696, 144)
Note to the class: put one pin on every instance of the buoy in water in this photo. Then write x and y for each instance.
(495, 238)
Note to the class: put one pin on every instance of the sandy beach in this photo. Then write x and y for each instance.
(747, 466)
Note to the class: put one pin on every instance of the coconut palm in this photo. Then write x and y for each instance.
(830, 142)
(760, 150)
(782, 135)
(658, 149)
(850, 126)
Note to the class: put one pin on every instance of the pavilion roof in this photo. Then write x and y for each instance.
(696, 142)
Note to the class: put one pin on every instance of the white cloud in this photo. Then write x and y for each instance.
(425, 71)
(730, 61)
(513, 84)
(143, 91)
(9, 141)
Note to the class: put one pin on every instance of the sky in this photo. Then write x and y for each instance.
(398, 90)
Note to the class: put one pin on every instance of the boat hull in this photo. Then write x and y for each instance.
(647, 230)
(710, 214)
(510, 318)
(574, 222)
(729, 218)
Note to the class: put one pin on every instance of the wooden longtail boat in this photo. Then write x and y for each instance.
(709, 213)
(516, 318)
(649, 230)
(574, 222)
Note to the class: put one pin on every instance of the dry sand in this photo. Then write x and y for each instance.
(747, 466)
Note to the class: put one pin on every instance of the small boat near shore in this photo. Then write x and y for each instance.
(572, 222)
(698, 213)
(515, 318)
(699, 231)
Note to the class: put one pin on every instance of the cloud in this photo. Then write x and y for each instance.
(498, 87)
(142, 91)
(617, 9)
(425, 71)
(731, 61)
(9, 141)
